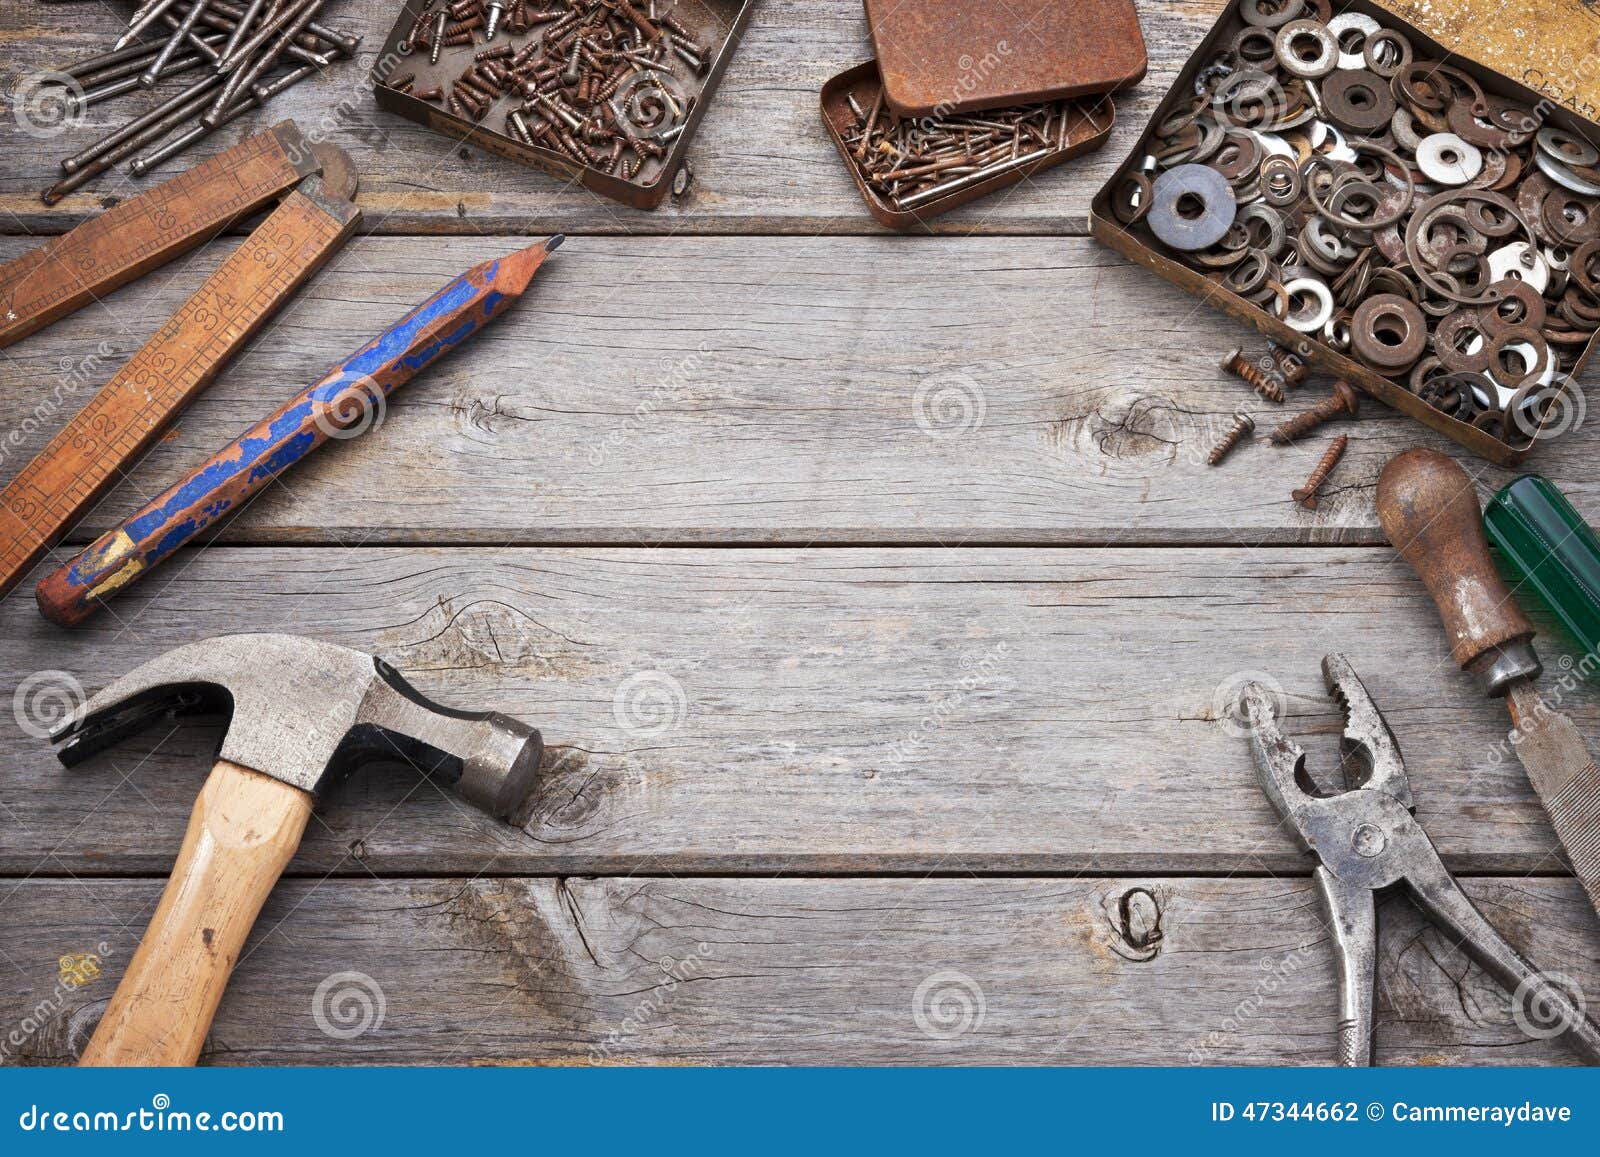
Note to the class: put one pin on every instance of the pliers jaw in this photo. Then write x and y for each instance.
(1372, 755)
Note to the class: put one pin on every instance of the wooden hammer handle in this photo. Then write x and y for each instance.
(244, 828)
(1430, 512)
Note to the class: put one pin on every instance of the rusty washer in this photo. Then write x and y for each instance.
(1389, 332)
(1358, 100)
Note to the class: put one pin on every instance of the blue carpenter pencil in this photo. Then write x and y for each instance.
(345, 401)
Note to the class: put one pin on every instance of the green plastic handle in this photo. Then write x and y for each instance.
(1544, 545)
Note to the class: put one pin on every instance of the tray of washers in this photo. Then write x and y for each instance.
(1382, 204)
(606, 92)
(963, 100)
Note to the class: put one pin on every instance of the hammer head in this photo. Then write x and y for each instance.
(308, 713)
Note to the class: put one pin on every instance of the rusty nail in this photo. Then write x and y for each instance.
(1242, 425)
(1306, 496)
(1290, 365)
(1259, 380)
(1344, 401)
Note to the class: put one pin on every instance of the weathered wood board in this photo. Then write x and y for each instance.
(762, 160)
(762, 390)
(819, 555)
(850, 710)
(802, 971)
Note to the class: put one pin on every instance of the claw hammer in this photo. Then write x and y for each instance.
(305, 714)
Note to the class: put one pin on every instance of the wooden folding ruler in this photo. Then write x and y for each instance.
(144, 232)
(124, 417)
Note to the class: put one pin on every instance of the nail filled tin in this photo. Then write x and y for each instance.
(948, 71)
(405, 70)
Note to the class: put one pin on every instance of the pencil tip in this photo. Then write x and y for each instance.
(554, 242)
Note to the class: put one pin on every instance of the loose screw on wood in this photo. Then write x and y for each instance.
(1259, 380)
(1344, 401)
(1242, 425)
(1291, 366)
(1306, 496)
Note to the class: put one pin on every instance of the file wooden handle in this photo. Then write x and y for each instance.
(1430, 512)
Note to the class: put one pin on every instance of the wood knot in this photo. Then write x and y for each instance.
(570, 792)
(1136, 920)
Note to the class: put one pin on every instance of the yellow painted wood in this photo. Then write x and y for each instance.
(1552, 46)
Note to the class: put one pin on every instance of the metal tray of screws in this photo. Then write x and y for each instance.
(1082, 125)
(404, 70)
(1138, 245)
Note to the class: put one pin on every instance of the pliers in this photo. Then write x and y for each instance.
(1369, 840)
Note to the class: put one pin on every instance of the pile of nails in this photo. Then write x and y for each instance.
(1268, 375)
(247, 52)
(605, 83)
(913, 161)
(1387, 206)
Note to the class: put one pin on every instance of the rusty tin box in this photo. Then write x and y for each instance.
(718, 25)
(938, 56)
(1527, 39)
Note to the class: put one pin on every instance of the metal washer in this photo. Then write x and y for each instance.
(1219, 208)
(1446, 159)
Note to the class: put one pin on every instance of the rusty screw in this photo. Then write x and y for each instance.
(1291, 365)
(1306, 496)
(1242, 425)
(1344, 401)
(1262, 382)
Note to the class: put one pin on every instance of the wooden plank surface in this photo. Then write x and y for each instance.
(813, 710)
(761, 390)
(762, 160)
(906, 678)
(802, 971)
